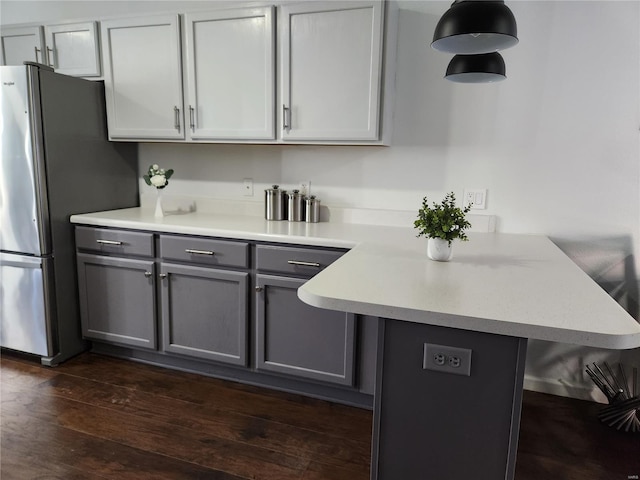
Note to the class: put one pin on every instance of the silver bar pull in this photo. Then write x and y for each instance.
(37, 52)
(50, 52)
(148, 274)
(108, 242)
(304, 264)
(176, 118)
(199, 252)
(285, 125)
(163, 275)
(192, 119)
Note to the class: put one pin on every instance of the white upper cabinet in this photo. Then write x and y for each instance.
(230, 81)
(143, 77)
(20, 44)
(330, 54)
(73, 49)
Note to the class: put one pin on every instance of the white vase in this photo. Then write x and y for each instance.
(159, 211)
(439, 250)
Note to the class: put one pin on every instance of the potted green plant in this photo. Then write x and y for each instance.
(441, 224)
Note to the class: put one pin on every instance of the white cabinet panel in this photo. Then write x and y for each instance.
(330, 58)
(21, 44)
(230, 74)
(73, 49)
(143, 77)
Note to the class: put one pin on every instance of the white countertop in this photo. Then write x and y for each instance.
(516, 285)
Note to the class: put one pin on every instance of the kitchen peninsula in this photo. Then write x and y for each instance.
(498, 291)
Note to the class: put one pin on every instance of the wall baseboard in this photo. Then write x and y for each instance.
(563, 389)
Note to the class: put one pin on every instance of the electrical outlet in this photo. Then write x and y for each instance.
(476, 197)
(305, 187)
(248, 187)
(446, 359)
(454, 361)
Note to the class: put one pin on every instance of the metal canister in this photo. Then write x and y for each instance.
(295, 206)
(312, 209)
(275, 201)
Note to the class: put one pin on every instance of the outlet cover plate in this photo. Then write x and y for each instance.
(452, 356)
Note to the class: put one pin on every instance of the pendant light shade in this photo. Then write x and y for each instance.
(482, 68)
(475, 26)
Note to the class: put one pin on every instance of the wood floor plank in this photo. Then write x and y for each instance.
(323, 471)
(18, 373)
(557, 431)
(96, 418)
(200, 448)
(50, 451)
(346, 453)
(345, 421)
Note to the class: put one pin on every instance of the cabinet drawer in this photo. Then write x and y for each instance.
(114, 241)
(298, 261)
(204, 251)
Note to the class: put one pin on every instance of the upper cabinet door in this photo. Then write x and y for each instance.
(73, 49)
(143, 77)
(331, 54)
(230, 74)
(20, 44)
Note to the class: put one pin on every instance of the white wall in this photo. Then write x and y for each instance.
(557, 144)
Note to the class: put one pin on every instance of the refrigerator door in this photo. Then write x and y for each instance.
(23, 200)
(24, 304)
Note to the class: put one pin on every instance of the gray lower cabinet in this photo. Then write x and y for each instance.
(184, 301)
(117, 299)
(204, 312)
(296, 339)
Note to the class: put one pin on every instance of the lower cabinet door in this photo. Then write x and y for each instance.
(297, 339)
(117, 300)
(204, 312)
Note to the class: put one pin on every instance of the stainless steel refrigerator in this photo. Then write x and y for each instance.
(56, 161)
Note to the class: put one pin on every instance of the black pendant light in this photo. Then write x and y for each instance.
(475, 26)
(481, 68)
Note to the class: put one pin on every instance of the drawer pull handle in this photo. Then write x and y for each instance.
(163, 275)
(108, 242)
(199, 252)
(259, 289)
(148, 274)
(304, 264)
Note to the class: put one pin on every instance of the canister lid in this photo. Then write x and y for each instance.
(276, 190)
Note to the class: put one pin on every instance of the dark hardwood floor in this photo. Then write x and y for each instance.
(96, 417)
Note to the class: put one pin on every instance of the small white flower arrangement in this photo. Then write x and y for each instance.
(157, 177)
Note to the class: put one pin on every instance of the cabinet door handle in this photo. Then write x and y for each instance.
(199, 252)
(285, 125)
(148, 274)
(108, 242)
(50, 61)
(163, 275)
(176, 118)
(259, 289)
(304, 264)
(192, 118)
(37, 52)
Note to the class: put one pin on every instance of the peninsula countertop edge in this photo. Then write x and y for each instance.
(508, 284)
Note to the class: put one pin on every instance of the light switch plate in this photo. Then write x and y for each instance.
(476, 197)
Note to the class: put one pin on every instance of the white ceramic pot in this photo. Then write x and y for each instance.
(439, 250)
